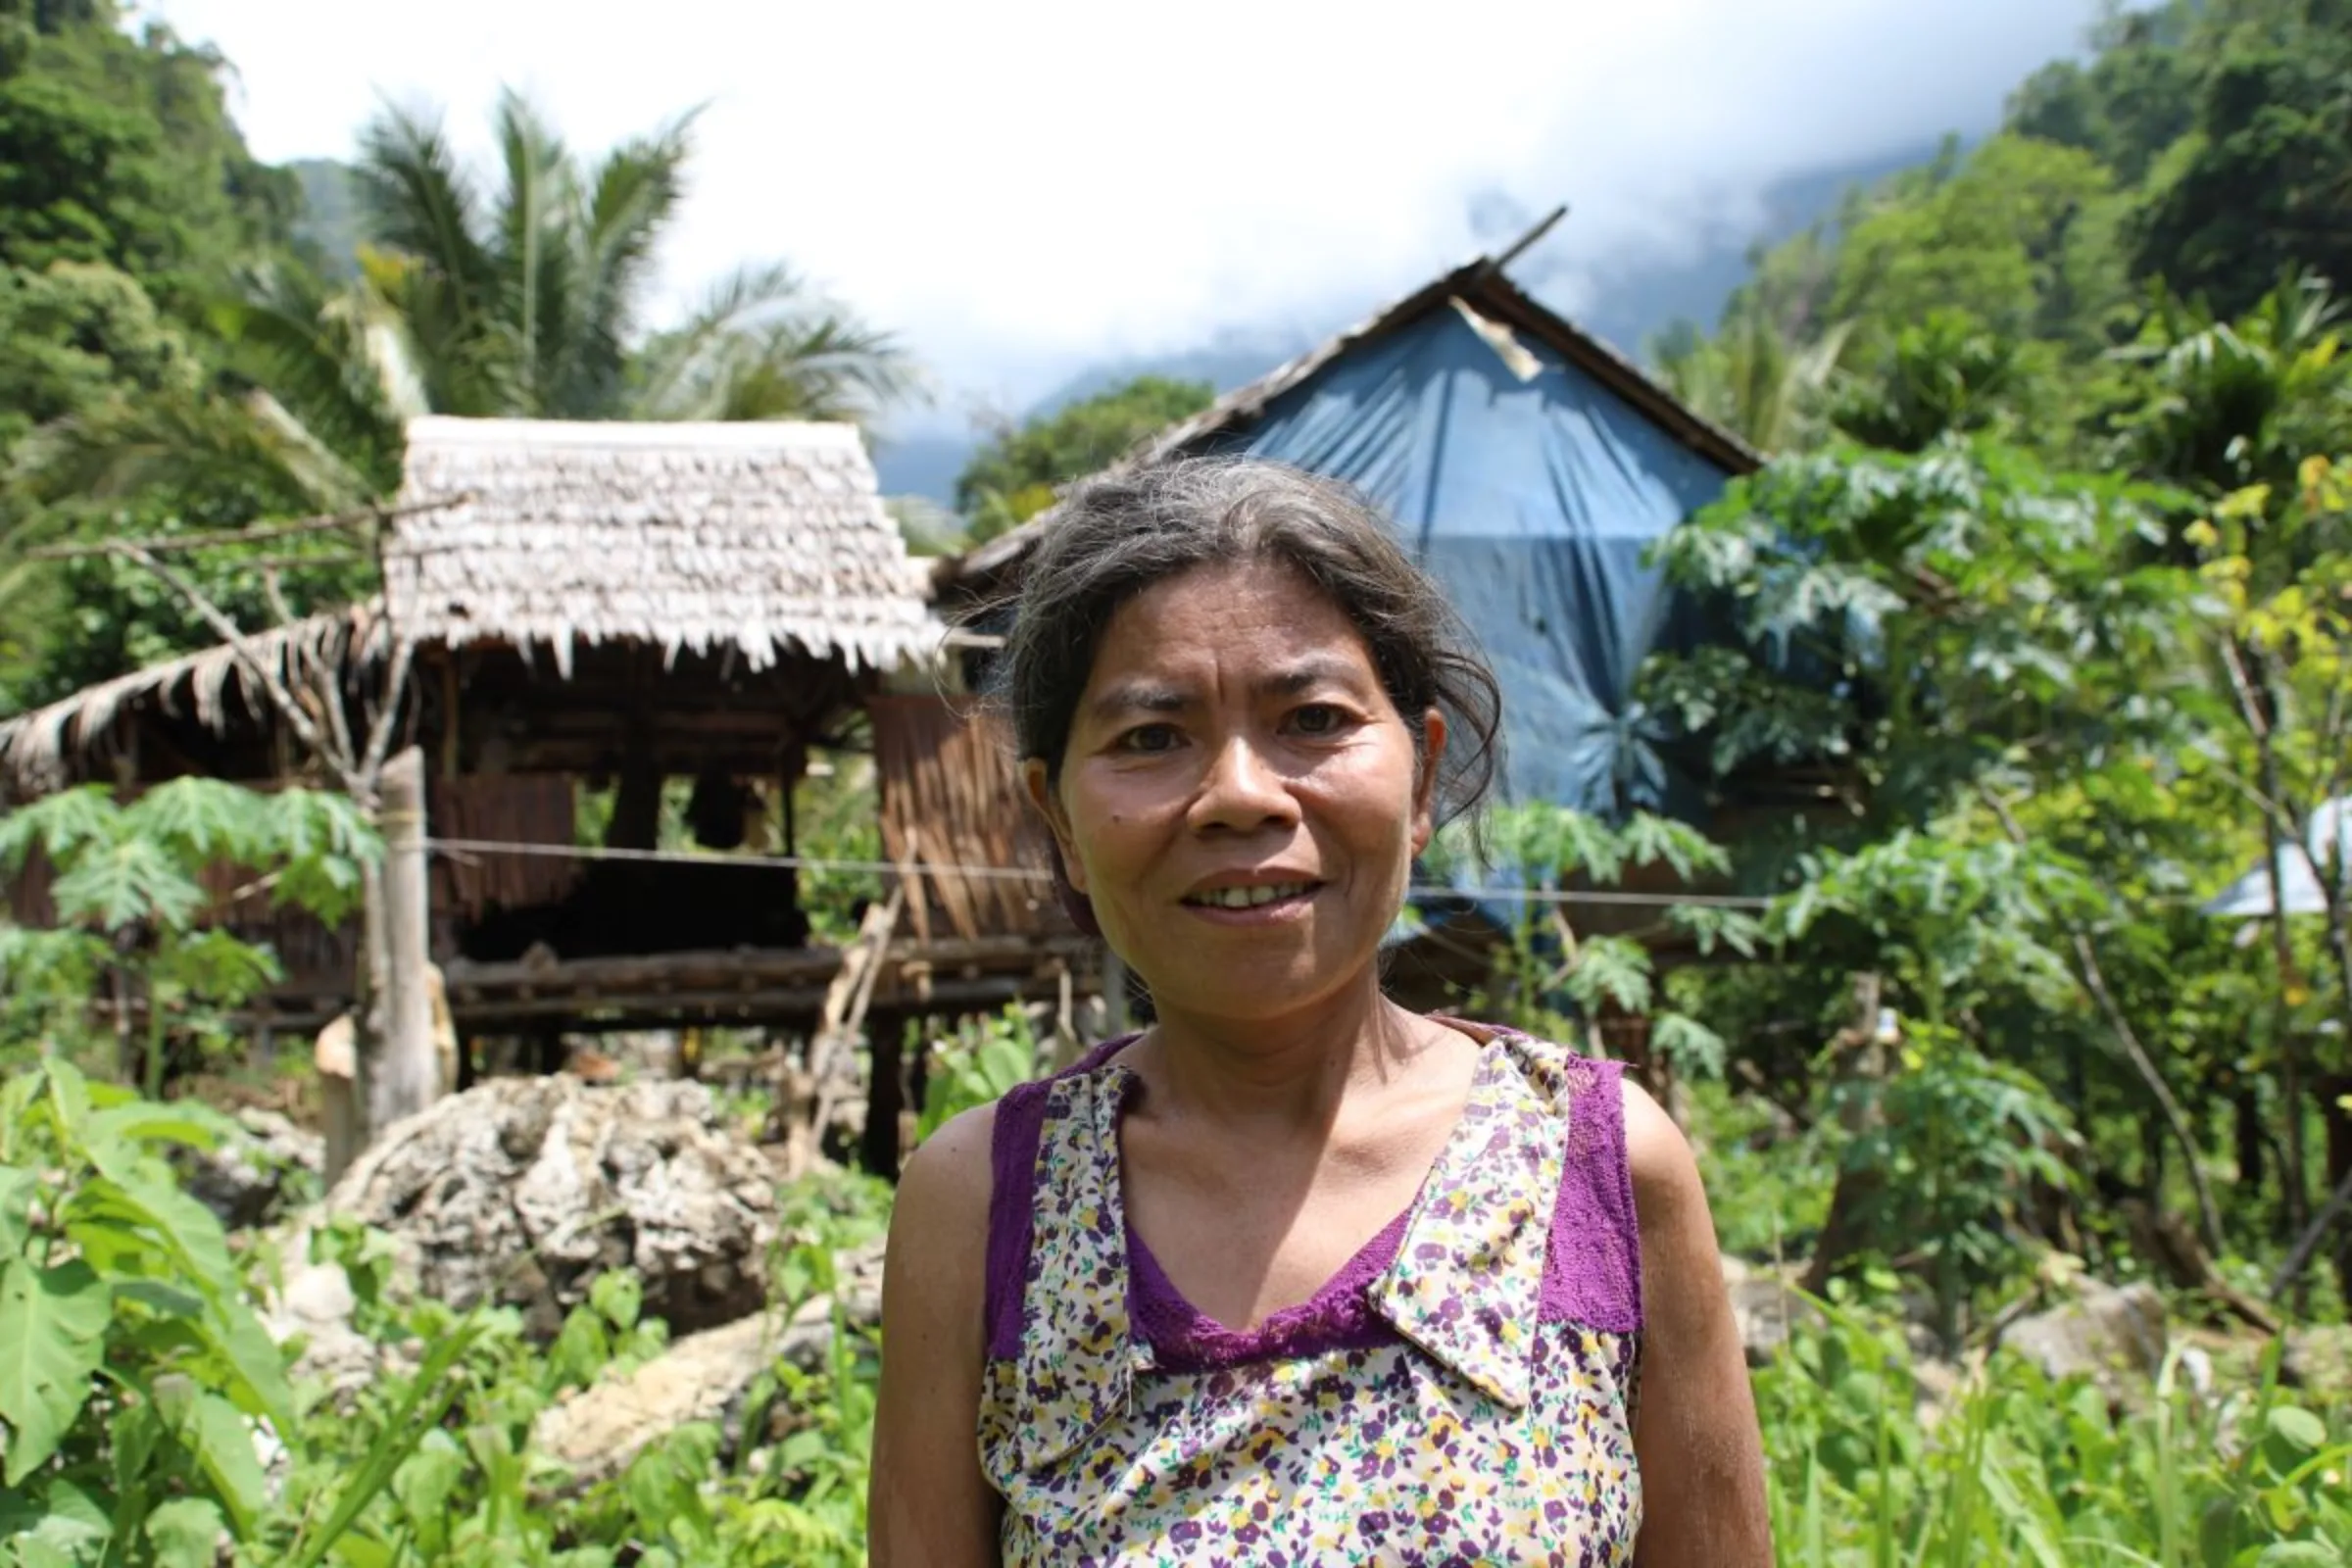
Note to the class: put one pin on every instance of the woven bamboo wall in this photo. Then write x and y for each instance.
(951, 798)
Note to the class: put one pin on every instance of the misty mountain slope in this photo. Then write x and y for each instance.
(1628, 303)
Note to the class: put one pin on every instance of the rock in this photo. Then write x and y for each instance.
(704, 1377)
(1766, 1305)
(257, 1171)
(2113, 1336)
(315, 1303)
(523, 1190)
(2317, 1357)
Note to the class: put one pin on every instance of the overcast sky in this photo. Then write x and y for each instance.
(1023, 187)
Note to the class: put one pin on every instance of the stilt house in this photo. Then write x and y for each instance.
(601, 610)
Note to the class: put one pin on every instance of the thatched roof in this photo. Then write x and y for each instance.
(760, 540)
(1491, 301)
(752, 536)
(35, 747)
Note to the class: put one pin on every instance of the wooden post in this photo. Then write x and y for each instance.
(404, 1075)
(338, 1095)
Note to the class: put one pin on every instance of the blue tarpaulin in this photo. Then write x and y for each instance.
(1530, 490)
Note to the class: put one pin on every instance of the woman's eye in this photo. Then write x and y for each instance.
(1148, 738)
(1318, 718)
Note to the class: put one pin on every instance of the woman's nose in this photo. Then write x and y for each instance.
(1242, 791)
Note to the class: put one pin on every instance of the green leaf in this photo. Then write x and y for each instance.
(69, 1098)
(17, 1188)
(356, 1550)
(56, 1515)
(60, 824)
(52, 1339)
(203, 819)
(191, 1238)
(125, 884)
(186, 1532)
(2299, 1554)
(157, 1296)
(222, 1443)
(135, 1435)
(2298, 1427)
(189, 1123)
(617, 1297)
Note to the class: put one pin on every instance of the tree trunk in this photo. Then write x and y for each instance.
(2249, 1144)
(1864, 1061)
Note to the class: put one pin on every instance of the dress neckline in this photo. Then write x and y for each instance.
(1339, 1313)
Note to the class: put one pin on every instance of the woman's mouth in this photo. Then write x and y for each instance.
(1261, 896)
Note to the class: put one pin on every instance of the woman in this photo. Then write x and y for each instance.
(1295, 1276)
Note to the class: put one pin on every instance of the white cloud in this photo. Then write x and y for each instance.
(1029, 186)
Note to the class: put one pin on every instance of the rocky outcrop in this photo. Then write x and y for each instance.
(704, 1377)
(523, 1190)
(263, 1166)
(2116, 1337)
(1767, 1306)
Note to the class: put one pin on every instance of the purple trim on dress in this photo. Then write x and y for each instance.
(1337, 1317)
(1592, 1265)
(1012, 1196)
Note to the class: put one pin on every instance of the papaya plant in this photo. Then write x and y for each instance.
(132, 909)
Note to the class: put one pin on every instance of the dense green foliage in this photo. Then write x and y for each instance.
(1011, 478)
(2204, 150)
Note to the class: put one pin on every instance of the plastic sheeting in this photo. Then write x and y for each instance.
(2251, 896)
(1530, 491)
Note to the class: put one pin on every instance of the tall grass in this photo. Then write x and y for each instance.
(2016, 1469)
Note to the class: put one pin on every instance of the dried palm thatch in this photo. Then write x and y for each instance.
(759, 537)
(37, 749)
(761, 540)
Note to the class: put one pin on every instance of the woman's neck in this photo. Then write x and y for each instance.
(1293, 1069)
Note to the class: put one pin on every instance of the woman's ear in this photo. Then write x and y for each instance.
(1425, 778)
(1040, 786)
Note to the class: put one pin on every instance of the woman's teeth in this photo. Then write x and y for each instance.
(1250, 898)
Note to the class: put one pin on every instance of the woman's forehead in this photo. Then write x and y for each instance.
(1247, 612)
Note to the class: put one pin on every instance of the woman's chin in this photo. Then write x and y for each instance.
(1248, 991)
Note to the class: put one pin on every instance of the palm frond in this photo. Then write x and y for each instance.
(337, 362)
(760, 346)
(632, 196)
(418, 199)
(199, 446)
(538, 216)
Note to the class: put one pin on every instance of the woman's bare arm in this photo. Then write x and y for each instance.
(1696, 1435)
(928, 1505)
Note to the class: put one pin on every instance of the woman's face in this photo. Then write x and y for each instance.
(1239, 800)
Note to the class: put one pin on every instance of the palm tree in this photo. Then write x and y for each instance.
(530, 299)
(1755, 376)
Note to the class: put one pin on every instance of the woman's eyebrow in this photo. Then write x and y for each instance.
(1134, 696)
(1315, 670)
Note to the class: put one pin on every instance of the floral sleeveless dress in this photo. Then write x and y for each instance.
(1462, 1393)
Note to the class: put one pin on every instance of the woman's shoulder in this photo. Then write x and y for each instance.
(943, 1190)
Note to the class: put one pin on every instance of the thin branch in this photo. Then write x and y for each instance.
(2094, 981)
(2308, 1243)
(2250, 707)
(386, 722)
(274, 591)
(241, 647)
(175, 544)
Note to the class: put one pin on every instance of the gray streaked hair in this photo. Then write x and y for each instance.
(1118, 536)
